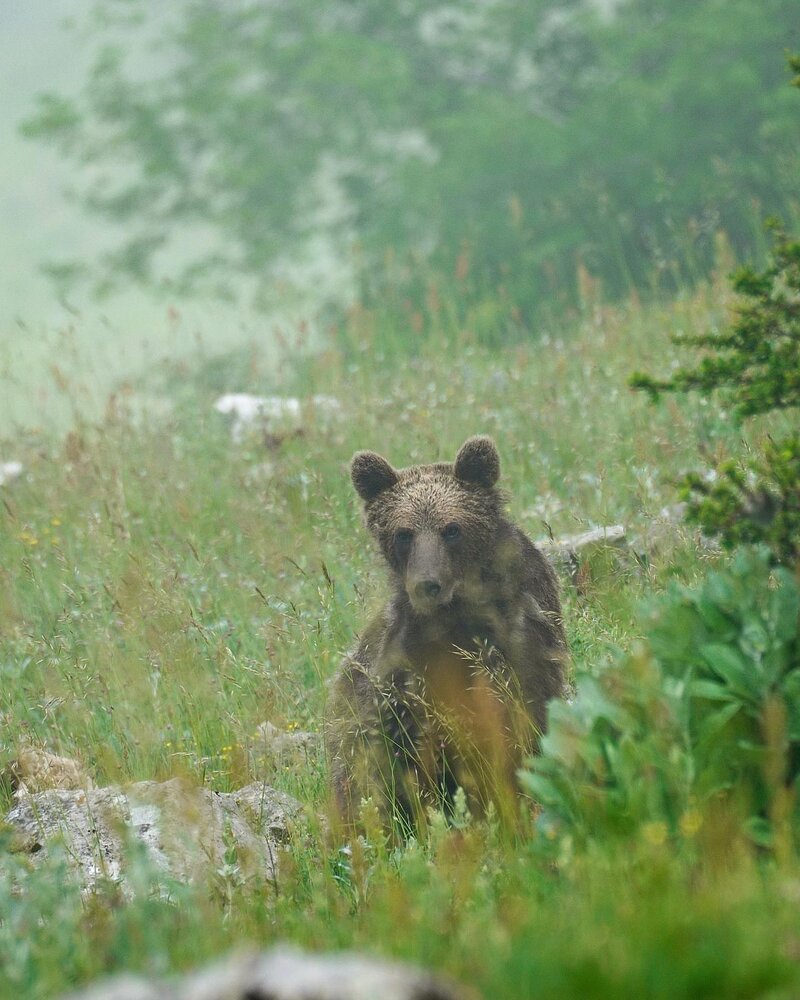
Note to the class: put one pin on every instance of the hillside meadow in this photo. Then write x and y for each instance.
(164, 590)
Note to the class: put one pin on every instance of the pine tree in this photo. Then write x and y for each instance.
(756, 366)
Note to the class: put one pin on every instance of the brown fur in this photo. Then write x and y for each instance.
(449, 684)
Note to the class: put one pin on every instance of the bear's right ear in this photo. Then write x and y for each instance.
(371, 474)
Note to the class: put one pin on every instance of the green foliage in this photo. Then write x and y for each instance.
(533, 135)
(757, 361)
(705, 712)
(164, 590)
(756, 502)
(756, 367)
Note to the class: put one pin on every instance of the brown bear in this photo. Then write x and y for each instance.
(449, 684)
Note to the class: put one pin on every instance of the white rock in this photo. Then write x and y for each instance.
(286, 974)
(9, 471)
(250, 408)
(274, 413)
(186, 831)
(275, 749)
(327, 405)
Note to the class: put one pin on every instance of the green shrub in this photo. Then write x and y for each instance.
(705, 712)
(756, 502)
(757, 361)
(756, 367)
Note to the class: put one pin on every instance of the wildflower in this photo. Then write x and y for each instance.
(690, 822)
(655, 833)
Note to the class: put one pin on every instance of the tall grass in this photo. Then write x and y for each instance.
(163, 591)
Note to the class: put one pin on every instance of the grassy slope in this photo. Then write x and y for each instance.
(162, 592)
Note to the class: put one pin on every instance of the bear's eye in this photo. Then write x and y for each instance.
(402, 538)
(451, 531)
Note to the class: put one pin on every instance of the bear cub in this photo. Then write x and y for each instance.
(449, 684)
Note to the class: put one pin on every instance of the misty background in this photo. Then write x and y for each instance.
(44, 333)
(241, 171)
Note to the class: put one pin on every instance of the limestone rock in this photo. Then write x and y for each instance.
(187, 832)
(123, 987)
(275, 415)
(287, 974)
(9, 471)
(268, 810)
(89, 821)
(275, 749)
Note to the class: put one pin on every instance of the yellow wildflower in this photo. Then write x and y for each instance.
(655, 833)
(690, 822)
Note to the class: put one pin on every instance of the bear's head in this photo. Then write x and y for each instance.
(435, 524)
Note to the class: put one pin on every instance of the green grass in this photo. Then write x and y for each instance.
(163, 591)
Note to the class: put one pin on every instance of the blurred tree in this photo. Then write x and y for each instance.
(535, 132)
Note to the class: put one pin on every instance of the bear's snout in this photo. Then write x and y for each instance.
(429, 577)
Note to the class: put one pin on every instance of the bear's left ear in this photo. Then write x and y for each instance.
(477, 462)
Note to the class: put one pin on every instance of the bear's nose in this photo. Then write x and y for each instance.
(428, 588)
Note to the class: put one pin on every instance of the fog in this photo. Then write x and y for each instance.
(47, 339)
(270, 162)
